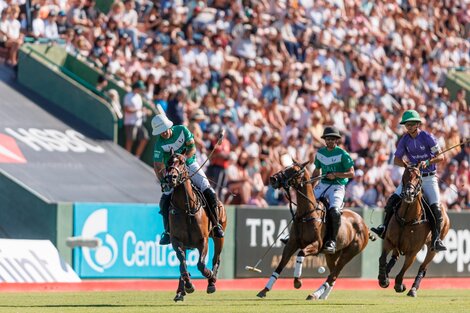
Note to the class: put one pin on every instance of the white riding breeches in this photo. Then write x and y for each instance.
(200, 179)
(334, 193)
(430, 189)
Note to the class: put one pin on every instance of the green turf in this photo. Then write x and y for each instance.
(237, 301)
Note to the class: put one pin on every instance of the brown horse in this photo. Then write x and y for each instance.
(309, 229)
(407, 233)
(190, 226)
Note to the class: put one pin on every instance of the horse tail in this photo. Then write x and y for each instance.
(372, 236)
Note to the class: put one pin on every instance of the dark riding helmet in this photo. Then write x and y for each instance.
(331, 131)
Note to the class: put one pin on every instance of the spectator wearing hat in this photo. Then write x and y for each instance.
(61, 22)
(134, 113)
(37, 25)
(421, 149)
(50, 26)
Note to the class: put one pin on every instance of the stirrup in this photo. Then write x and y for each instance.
(438, 245)
(329, 247)
(218, 232)
(379, 230)
(165, 240)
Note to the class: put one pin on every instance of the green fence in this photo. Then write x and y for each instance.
(63, 91)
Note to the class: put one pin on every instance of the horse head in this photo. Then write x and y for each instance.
(291, 176)
(176, 171)
(411, 182)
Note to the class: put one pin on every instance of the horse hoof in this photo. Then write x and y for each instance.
(312, 297)
(179, 297)
(211, 288)
(384, 283)
(297, 283)
(262, 293)
(412, 292)
(189, 287)
(400, 288)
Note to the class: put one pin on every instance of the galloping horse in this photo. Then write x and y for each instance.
(309, 228)
(190, 226)
(407, 232)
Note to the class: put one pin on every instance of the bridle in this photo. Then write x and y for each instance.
(411, 191)
(182, 172)
(288, 182)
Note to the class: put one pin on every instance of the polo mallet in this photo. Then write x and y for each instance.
(455, 146)
(255, 267)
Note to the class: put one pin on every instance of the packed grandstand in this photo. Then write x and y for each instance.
(274, 74)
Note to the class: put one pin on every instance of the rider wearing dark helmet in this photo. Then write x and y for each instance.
(421, 148)
(337, 167)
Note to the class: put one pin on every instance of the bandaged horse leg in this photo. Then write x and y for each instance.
(288, 251)
(319, 292)
(326, 293)
(298, 269)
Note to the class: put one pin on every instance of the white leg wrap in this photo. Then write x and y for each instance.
(272, 280)
(325, 294)
(317, 294)
(298, 266)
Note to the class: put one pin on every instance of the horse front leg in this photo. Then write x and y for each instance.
(393, 261)
(298, 269)
(409, 259)
(421, 273)
(288, 251)
(384, 282)
(185, 275)
(201, 265)
(218, 245)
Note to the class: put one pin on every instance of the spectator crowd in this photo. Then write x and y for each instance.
(274, 73)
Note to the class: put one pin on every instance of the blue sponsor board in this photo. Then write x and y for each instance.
(130, 234)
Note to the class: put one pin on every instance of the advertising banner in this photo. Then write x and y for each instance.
(33, 261)
(257, 230)
(130, 235)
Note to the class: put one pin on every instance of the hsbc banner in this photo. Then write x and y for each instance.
(257, 229)
(33, 261)
(130, 235)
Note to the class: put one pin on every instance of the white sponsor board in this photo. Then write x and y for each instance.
(33, 261)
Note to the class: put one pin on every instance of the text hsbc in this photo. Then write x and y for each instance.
(54, 140)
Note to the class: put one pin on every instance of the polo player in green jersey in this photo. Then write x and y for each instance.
(181, 140)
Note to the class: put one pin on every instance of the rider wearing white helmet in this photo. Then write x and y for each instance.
(180, 139)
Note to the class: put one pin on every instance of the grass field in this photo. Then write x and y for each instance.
(378, 301)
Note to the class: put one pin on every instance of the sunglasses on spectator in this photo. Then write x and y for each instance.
(330, 138)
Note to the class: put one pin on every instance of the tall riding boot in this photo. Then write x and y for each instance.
(213, 204)
(436, 221)
(334, 215)
(392, 204)
(165, 202)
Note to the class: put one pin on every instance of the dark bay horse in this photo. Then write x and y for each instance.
(190, 226)
(309, 229)
(407, 233)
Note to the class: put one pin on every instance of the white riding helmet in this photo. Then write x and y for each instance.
(160, 123)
